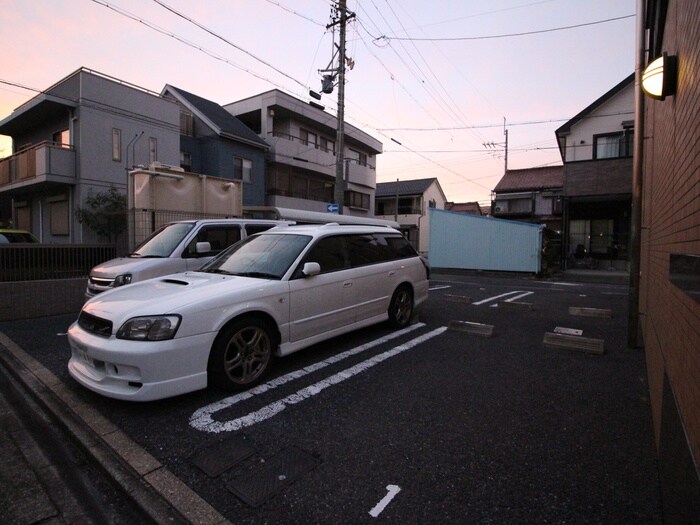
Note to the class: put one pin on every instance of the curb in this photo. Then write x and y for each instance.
(142, 478)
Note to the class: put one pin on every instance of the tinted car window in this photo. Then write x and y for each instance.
(329, 253)
(219, 237)
(400, 246)
(257, 228)
(367, 249)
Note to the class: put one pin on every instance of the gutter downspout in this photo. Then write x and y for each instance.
(634, 339)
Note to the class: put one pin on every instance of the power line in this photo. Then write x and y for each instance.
(508, 35)
(225, 40)
(527, 123)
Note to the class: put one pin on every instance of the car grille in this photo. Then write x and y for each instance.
(95, 325)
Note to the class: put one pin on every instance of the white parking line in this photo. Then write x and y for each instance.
(512, 299)
(497, 297)
(379, 507)
(202, 418)
(439, 287)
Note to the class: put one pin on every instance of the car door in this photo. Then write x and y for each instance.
(323, 302)
(376, 274)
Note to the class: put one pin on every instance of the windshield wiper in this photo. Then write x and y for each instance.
(258, 275)
(217, 270)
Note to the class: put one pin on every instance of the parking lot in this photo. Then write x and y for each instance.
(444, 422)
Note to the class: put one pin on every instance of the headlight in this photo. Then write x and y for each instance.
(121, 280)
(152, 328)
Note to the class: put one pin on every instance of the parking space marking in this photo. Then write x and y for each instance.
(495, 297)
(442, 287)
(202, 419)
(379, 507)
(524, 294)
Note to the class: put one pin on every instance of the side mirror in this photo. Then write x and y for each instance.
(203, 247)
(310, 269)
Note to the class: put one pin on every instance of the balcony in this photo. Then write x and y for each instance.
(294, 151)
(46, 163)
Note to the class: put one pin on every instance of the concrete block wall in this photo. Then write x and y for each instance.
(30, 299)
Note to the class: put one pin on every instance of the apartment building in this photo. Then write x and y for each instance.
(301, 163)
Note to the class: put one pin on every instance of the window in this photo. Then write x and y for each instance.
(185, 161)
(59, 215)
(61, 138)
(219, 237)
(186, 124)
(329, 253)
(152, 150)
(23, 215)
(328, 145)
(308, 138)
(358, 156)
(355, 199)
(243, 169)
(613, 145)
(116, 144)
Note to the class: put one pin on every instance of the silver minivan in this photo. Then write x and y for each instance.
(175, 247)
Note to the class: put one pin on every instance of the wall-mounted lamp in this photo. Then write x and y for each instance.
(659, 77)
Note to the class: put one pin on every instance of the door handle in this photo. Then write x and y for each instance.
(347, 284)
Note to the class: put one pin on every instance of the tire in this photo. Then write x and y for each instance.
(241, 354)
(401, 307)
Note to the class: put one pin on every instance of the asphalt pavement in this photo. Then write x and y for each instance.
(65, 462)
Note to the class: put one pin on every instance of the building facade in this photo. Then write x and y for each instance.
(669, 262)
(530, 195)
(301, 163)
(75, 139)
(408, 202)
(596, 148)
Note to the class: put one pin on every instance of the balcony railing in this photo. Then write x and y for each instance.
(47, 161)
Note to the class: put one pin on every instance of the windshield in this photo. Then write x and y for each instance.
(267, 256)
(162, 242)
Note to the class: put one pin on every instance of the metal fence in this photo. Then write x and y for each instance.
(31, 262)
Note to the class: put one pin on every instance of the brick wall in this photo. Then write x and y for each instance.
(671, 225)
(28, 299)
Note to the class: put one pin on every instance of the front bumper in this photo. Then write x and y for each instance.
(139, 370)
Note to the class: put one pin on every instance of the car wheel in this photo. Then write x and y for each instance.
(241, 354)
(401, 307)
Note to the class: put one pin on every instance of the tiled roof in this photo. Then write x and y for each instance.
(531, 179)
(403, 187)
(221, 118)
(464, 207)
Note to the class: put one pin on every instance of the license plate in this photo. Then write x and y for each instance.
(83, 355)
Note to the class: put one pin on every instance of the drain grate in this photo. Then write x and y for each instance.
(272, 476)
(226, 455)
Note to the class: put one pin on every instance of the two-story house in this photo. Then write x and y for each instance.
(82, 135)
(214, 142)
(530, 195)
(301, 164)
(596, 147)
(77, 137)
(407, 202)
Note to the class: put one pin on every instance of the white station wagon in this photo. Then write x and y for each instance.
(273, 293)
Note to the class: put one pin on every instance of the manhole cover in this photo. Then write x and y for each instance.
(272, 476)
(226, 455)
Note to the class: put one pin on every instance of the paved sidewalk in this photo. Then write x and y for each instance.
(57, 468)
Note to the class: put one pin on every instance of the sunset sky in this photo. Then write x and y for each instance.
(433, 81)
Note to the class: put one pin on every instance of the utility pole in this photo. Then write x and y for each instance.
(339, 193)
(505, 132)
